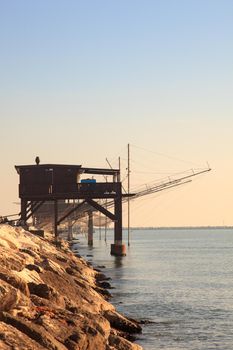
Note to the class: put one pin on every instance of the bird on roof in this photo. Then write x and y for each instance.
(37, 159)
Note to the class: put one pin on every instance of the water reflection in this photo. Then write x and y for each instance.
(118, 261)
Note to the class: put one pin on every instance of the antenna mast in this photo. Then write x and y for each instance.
(128, 196)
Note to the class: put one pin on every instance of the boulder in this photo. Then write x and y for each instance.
(51, 299)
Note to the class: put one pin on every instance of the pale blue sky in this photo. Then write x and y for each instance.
(81, 79)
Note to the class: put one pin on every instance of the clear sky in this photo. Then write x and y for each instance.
(81, 79)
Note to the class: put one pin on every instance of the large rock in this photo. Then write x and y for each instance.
(12, 338)
(35, 332)
(51, 299)
(122, 323)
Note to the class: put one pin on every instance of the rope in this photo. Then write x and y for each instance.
(164, 155)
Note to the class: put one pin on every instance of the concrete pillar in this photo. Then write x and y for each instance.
(90, 228)
(118, 248)
(70, 231)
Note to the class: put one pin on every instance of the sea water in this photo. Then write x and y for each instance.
(179, 281)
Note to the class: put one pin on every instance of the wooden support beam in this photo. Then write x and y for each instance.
(99, 207)
(55, 219)
(78, 206)
(23, 213)
(34, 208)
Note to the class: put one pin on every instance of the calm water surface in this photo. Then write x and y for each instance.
(180, 280)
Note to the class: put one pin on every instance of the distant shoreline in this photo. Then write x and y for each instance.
(177, 228)
(182, 228)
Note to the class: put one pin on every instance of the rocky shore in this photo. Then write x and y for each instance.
(52, 299)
